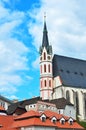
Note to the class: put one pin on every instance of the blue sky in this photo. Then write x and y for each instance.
(21, 26)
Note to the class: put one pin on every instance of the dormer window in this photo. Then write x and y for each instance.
(54, 120)
(70, 121)
(62, 121)
(43, 118)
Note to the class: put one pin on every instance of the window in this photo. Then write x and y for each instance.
(68, 71)
(41, 84)
(41, 68)
(77, 104)
(45, 84)
(71, 122)
(54, 120)
(44, 68)
(62, 122)
(49, 83)
(75, 72)
(43, 118)
(67, 95)
(49, 68)
(81, 73)
(48, 57)
(61, 70)
(59, 112)
(44, 56)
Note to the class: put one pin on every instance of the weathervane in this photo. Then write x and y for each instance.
(44, 16)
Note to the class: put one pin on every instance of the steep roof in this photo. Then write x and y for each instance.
(71, 71)
(45, 42)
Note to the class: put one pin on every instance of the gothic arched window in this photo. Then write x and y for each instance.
(85, 104)
(41, 84)
(44, 68)
(45, 84)
(44, 56)
(49, 83)
(67, 95)
(77, 104)
(41, 68)
(49, 68)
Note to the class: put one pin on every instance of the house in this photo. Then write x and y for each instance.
(61, 106)
(5, 102)
(34, 120)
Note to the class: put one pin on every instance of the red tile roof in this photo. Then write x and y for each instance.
(32, 118)
(5, 122)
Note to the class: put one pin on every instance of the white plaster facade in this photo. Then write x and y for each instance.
(4, 102)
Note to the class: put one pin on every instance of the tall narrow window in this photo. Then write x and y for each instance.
(41, 68)
(41, 84)
(44, 56)
(44, 68)
(49, 83)
(49, 68)
(77, 104)
(45, 83)
(68, 95)
(85, 104)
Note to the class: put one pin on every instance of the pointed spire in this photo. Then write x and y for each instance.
(45, 41)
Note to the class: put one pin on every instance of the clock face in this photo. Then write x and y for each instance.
(48, 57)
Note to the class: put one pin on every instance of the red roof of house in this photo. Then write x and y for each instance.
(6, 122)
(32, 118)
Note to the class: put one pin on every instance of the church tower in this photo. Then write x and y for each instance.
(46, 75)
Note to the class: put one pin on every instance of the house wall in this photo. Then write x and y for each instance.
(37, 128)
(70, 111)
(4, 104)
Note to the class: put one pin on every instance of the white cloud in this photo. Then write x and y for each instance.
(35, 64)
(66, 26)
(13, 52)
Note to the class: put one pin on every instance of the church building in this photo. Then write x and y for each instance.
(62, 77)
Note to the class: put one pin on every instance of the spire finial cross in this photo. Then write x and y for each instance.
(44, 16)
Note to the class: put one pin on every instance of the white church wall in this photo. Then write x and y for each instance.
(80, 93)
(57, 81)
(57, 93)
